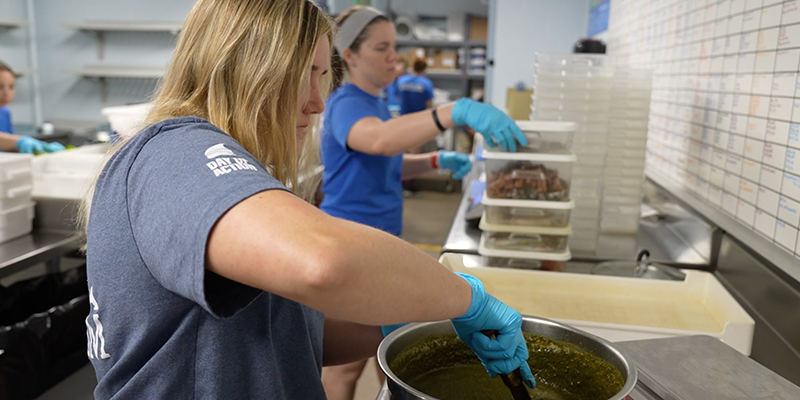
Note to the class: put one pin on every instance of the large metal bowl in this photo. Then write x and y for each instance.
(406, 336)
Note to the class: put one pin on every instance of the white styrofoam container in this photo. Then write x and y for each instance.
(620, 308)
(67, 174)
(15, 166)
(127, 120)
(15, 193)
(527, 212)
(16, 222)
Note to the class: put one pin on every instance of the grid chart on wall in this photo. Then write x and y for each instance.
(725, 110)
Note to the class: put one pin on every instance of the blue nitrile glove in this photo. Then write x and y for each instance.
(495, 126)
(457, 162)
(387, 329)
(53, 147)
(27, 144)
(503, 354)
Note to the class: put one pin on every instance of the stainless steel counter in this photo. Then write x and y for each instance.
(675, 237)
(36, 247)
(695, 367)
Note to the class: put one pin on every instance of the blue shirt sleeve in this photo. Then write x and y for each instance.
(428, 89)
(344, 113)
(5, 120)
(177, 191)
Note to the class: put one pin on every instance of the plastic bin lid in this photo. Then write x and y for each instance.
(551, 205)
(566, 255)
(497, 154)
(547, 126)
(533, 230)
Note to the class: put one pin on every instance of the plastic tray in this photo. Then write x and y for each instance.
(527, 212)
(566, 94)
(67, 174)
(528, 176)
(547, 136)
(525, 255)
(15, 166)
(16, 222)
(619, 223)
(620, 308)
(523, 238)
(15, 193)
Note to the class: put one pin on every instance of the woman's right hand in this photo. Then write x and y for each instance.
(495, 126)
(500, 355)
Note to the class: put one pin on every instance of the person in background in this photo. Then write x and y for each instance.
(9, 141)
(391, 93)
(415, 91)
(363, 146)
(208, 277)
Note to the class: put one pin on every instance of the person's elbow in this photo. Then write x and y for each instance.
(326, 268)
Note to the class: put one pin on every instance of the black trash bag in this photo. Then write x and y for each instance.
(66, 334)
(23, 360)
(31, 296)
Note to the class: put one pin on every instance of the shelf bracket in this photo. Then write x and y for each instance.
(103, 88)
(101, 44)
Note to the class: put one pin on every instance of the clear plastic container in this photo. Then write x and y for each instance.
(585, 212)
(617, 123)
(623, 182)
(637, 114)
(611, 190)
(588, 202)
(623, 103)
(530, 213)
(15, 166)
(592, 106)
(584, 224)
(587, 244)
(568, 94)
(571, 83)
(528, 176)
(581, 60)
(621, 200)
(559, 71)
(523, 238)
(619, 209)
(547, 136)
(587, 172)
(622, 162)
(524, 263)
(627, 143)
(16, 222)
(618, 223)
(579, 117)
(624, 172)
(625, 153)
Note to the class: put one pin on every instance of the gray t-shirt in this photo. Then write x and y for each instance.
(160, 325)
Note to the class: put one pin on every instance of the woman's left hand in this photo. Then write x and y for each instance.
(459, 163)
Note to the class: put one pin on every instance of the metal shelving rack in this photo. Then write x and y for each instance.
(103, 72)
(12, 24)
(467, 78)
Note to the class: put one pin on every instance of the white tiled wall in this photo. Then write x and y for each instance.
(725, 112)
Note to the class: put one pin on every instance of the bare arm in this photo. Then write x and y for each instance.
(372, 136)
(416, 164)
(278, 243)
(8, 141)
(346, 342)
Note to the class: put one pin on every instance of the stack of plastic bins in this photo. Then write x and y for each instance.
(625, 160)
(578, 88)
(16, 205)
(527, 208)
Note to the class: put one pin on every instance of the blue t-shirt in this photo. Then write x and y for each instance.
(413, 92)
(391, 94)
(160, 325)
(5, 120)
(359, 187)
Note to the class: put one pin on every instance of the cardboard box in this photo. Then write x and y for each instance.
(443, 60)
(478, 28)
(518, 103)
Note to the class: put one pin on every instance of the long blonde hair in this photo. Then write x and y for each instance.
(240, 64)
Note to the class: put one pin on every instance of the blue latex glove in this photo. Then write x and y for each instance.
(459, 163)
(503, 354)
(27, 144)
(387, 329)
(53, 147)
(495, 126)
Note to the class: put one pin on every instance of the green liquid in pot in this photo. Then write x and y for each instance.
(444, 367)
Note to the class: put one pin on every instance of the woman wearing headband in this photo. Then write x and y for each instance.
(363, 147)
(208, 278)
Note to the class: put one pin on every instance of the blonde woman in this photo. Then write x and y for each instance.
(208, 278)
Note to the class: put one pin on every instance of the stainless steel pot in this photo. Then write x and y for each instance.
(406, 336)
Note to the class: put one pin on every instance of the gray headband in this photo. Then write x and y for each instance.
(353, 26)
